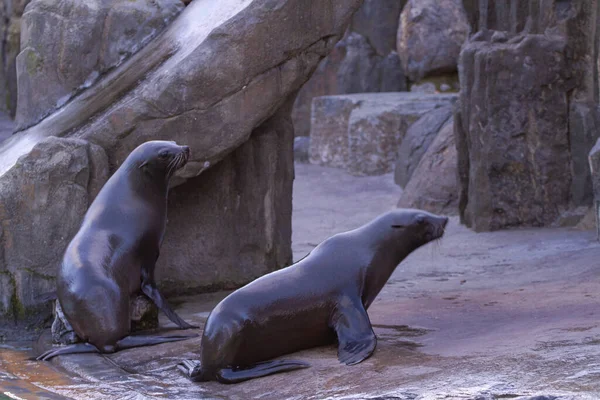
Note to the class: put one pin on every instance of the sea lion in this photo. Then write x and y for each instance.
(113, 255)
(323, 296)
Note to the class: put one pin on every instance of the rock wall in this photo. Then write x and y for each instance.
(362, 132)
(241, 214)
(68, 45)
(364, 61)
(11, 12)
(220, 78)
(527, 113)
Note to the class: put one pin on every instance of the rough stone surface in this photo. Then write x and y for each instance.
(528, 114)
(11, 12)
(377, 21)
(301, 148)
(354, 66)
(211, 80)
(433, 185)
(430, 36)
(240, 213)
(43, 199)
(518, 151)
(68, 45)
(500, 315)
(362, 132)
(416, 141)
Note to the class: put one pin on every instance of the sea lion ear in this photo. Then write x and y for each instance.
(142, 165)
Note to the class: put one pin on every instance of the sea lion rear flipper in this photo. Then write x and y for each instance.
(356, 338)
(153, 293)
(237, 375)
(132, 341)
(70, 349)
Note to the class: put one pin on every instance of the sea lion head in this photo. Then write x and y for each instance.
(159, 158)
(415, 226)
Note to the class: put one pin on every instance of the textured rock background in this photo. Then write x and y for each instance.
(430, 36)
(362, 132)
(416, 141)
(528, 113)
(11, 12)
(213, 80)
(67, 45)
(364, 61)
(433, 184)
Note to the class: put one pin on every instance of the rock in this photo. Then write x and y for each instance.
(353, 67)
(584, 128)
(528, 115)
(588, 222)
(247, 198)
(10, 42)
(594, 161)
(572, 217)
(416, 142)
(430, 36)
(43, 199)
(75, 43)
(144, 314)
(433, 186)
(377, 21)
(362, 132)
(301, 148)
(517, 168)
(212, 80)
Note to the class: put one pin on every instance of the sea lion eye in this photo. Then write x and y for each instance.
(420, 219)
(163, 154)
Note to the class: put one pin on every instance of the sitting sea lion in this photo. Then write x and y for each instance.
(113, 255)
(323, 296)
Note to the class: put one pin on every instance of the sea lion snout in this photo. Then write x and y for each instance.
(437, 227)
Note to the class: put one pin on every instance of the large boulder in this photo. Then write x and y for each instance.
(416, 142)
(365, 60)
(68, 45)
(528, 115)
(433, 186)
(241, 211)
(220, 76)
(518, 151)
(43, 198)
(362, 132)
(430, 36)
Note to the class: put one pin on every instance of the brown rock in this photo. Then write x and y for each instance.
(430, 36)
(352, 67)
(416, 142)
(362, 132)
(43, 199)
(433, 186)
(68, 45)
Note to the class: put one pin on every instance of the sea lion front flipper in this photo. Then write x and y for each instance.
(356, 338)
(77, 348)
(153, 293)
(132, 341)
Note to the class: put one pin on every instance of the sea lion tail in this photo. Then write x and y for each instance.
(230, 375)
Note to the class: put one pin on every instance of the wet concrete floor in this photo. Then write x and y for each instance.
(498, 315)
